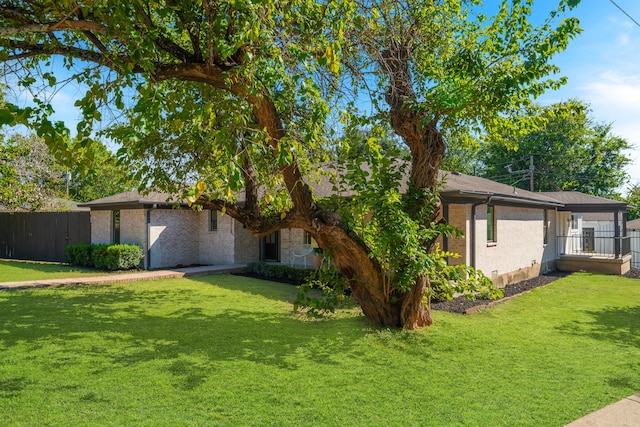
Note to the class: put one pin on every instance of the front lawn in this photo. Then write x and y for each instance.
(227, 350)
(14, 271)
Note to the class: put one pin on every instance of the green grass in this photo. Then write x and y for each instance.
(14, 271)
(224, 350)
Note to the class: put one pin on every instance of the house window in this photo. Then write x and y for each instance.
(491, 224)
(115, 226)
(307, 237)
(545, 227)
(574, 222)
(213, 220)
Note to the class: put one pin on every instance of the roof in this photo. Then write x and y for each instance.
(456, 188)
(132, 200)
(463, 188)
(579, 202)
(633, 224)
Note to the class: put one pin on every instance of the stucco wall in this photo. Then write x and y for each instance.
(519, 244)
(173, 237)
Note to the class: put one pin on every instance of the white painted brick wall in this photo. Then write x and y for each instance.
(173, 237)
(519, 240)
(100, 227)
(246, 246)
(216, 247)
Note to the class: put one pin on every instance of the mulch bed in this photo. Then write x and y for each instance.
(464, 306)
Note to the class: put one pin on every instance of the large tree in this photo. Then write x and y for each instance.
(247, 95)
(571, 151)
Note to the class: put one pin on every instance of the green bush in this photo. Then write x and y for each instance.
(79, 254)
(278, 271)
(105, 257)
(333, 288)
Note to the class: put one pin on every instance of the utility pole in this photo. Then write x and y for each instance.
(531, 169)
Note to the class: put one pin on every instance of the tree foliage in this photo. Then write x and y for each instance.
(252, 97)
(633, 198)
(571, 152)
(31, 178)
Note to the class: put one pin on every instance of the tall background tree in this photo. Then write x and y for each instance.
(32, 179)
(570, 151)
(248, 96)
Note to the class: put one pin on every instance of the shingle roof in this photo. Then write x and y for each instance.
(463, 187)
(633, 224)
(132, 199)
(457, 188)
(580, 202)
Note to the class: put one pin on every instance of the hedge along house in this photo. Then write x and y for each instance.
(510, 234)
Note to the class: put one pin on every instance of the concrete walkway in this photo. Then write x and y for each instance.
(125, 277)
(625, 413)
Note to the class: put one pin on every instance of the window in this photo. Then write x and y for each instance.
(115, 226)
(213, 220)
(307, 238)
(491, 224)
(574, 222)
(545, 228)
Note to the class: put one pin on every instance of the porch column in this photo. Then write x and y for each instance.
(616, 235)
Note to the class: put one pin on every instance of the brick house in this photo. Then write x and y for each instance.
(510, 234)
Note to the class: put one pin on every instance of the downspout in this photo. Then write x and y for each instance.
(473, 228)
(148, 231)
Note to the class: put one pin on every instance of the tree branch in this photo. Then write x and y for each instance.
(49, 28)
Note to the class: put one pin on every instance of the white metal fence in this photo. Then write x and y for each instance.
(635, 248)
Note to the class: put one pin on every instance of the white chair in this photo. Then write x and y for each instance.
(301, 251)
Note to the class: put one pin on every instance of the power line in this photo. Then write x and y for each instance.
(623, 11)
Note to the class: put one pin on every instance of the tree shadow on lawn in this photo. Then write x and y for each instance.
(617, 325)
(265, 288)
(127, 331)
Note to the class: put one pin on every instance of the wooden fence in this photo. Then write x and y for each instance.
(42, 236)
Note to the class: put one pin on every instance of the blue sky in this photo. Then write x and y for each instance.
(602, 65)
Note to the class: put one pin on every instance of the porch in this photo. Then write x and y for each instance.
(595, 254)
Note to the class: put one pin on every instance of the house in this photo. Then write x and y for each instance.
(510, 234)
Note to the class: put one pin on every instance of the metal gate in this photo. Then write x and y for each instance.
(42, 236)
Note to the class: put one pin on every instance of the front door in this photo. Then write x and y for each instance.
(271, 247)
(588, 240)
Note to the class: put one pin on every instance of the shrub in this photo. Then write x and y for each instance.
(278, 271)
(333, 288)
(79, 254)
(105, 257)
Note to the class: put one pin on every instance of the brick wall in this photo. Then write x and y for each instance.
(519, 242)
(216, 247)
(246, 245)
(100, 227)
(173, 237)
(459, 215)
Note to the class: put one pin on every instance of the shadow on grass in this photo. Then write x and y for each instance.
(119, 327)
(617, 325)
